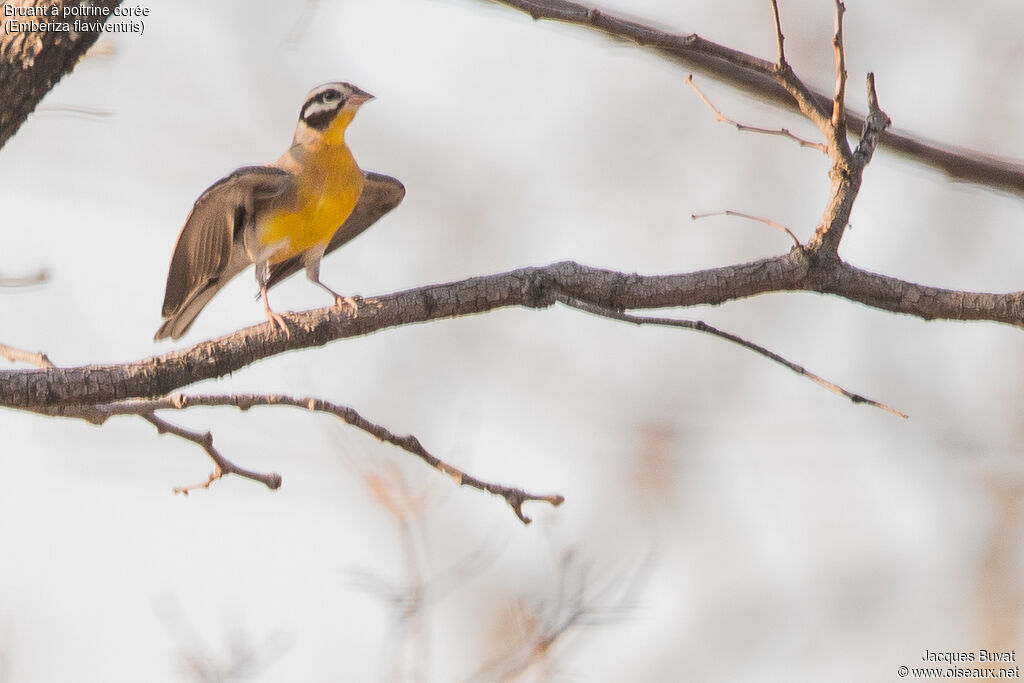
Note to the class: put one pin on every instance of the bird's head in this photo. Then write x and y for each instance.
(328, 110)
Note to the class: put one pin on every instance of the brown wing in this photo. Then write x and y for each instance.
(209, 251)
(381, 193)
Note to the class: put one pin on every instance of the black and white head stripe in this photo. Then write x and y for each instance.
(325, 101)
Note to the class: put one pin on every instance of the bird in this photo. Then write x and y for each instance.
(279, 217)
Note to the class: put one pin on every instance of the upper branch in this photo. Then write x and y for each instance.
(779, 38)
(875, 124)
(754, 76)
(839, 99)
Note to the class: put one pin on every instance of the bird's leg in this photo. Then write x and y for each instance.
(344, 302)
(275, 318)
(313, 273)
(262, 274)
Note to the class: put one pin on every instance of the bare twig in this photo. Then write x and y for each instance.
(778, 35)
(146, 408)
(810, 106)
(744, 73)
(839, 99)
(205, 441)
(767, 221)
(25, 280)
(701, 326)
(76, 109)
(784, 132)
(36, 358)
(875, 124)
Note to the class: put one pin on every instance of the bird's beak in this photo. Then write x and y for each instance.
(359, 97)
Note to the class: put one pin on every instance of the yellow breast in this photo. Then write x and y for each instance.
(327, 187)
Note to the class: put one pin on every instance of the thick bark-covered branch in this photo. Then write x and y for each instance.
(534, 287)
(31, 62)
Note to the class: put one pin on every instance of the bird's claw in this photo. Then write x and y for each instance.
(349, 303)
(278, 319)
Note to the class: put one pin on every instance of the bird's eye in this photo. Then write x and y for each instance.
(332, 96)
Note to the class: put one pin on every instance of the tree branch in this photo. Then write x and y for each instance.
(701, 326)
(205, 441)
(31, 62)
(740, 214)
(846, 176)
(779, 38)
(36, 358)
(874, 126)
(533, 287)
(782, 132)
(839, 99)
(36, 278)
(97, 392)
(98, 414)
(754, 76)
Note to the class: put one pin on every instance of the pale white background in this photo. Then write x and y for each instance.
(760, 528)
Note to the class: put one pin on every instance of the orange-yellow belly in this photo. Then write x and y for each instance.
(325, 196)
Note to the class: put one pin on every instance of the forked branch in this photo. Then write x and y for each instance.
(147, 409)
(533, 287)
(204, 440)
(756, 77)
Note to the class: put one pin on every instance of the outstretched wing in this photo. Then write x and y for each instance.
(381, 193)
(210, 249)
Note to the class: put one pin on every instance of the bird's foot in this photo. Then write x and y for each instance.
(278, 319)
(348, 303)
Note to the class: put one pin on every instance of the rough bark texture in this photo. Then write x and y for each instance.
(537, 287)
(744, 72)
(31, 62)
